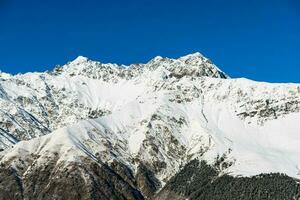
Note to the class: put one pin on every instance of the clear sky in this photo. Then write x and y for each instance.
(257, 39)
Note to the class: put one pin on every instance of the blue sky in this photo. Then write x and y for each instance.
(257, 39)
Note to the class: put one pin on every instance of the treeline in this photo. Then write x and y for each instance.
(198, 180)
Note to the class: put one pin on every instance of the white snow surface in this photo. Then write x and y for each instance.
(157, 117)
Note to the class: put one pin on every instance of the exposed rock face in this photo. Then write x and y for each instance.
(167, 129)
(147, 183)
(86, 180)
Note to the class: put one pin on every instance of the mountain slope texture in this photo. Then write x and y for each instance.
(168, 129)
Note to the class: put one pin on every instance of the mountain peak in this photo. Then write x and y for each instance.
(79, 60)
(194, 64)
(192, 55)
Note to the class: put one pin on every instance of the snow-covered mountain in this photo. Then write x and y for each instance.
(90, 130)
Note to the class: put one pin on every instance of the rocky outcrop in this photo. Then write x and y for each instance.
(86, 180)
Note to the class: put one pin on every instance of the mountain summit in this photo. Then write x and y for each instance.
(79, 60)
(170, 128)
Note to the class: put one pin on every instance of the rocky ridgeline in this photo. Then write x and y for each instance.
(34, 104)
